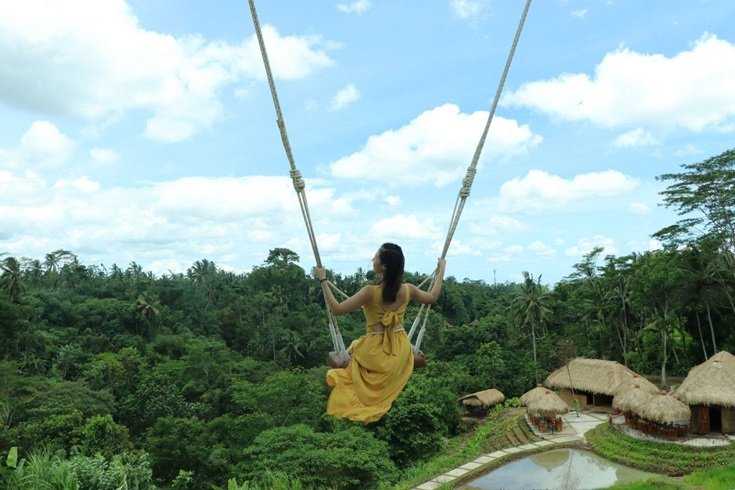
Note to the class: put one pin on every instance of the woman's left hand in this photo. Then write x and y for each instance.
(321, 273)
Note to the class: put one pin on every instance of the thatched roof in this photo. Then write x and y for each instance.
(636, 380)
(485, 398)
(548, 405)
(710, 383)
(664, 409)
(533, 393)
(592, 375)
(631, 399)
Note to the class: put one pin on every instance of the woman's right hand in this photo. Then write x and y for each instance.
(321, 273)
(441, 264)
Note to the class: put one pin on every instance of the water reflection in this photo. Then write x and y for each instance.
(563, 469)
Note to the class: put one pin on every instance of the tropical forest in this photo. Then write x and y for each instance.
(112, 377)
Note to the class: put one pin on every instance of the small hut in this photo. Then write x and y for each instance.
(663, 416)
(638, 381)
(479, 402)
(629, 401)
(709, 390)
(533, 393)
(588, 382)
(545, 411)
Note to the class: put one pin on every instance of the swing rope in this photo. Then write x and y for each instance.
(300, 186)
(298, 183)
(464, 191)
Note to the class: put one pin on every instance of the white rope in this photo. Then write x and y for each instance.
(464, 191)
(462, 196)
(297, 180)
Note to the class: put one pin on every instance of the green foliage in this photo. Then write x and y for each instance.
(203, 367)
(285, 398)
(422, 415)
(271, 481)
(350, 459)
(44, 469)
(101, 435)
(671, 459)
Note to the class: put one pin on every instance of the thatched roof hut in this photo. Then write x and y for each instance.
(591, 375)
(664, 409)
(485, 398)
(710, 383)
(631, 399)
(636, 380)
(533, 393)
(548, 405)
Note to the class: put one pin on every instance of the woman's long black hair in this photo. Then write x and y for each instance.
(391, 256)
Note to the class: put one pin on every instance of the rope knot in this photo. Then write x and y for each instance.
(298, 181)
(464, 192)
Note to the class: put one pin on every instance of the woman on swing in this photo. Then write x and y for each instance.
(382, 359)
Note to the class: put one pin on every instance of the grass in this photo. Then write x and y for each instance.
(658, 457)
(714, 479)
(496, 432)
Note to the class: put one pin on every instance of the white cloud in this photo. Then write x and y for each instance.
(692, 89)
(393, 200)
(403, 226)
(94, 60)
(226, 218)
(437, 147)
(44, 145)
(496, 225)
(506, 254)
(357, 7)
(686, 150)
(82, 184)
(639, 208)
(644, 245)
(585, 245)
(465, 9)
(581, 13)
(635, 137)
(457, 248)
(345, 97)
(540, 248)
(539, 190)
(104, 156)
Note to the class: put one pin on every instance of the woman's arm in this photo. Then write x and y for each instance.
(361, 298)
(430, 297)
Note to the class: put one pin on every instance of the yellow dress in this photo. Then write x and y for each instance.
(382, 363)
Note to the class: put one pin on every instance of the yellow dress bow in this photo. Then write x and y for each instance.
(390, 321)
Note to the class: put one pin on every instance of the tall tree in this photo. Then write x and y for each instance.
(10, 278)
(532, 306)
(704, 194)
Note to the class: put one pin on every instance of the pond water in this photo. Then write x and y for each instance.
(567, 469)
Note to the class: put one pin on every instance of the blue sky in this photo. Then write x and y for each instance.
(144, 130)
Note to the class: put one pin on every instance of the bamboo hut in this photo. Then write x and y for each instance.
(588, 382)
(478, 403)
(663, 416)
(545, 411)
(629, 401)
(709, 390)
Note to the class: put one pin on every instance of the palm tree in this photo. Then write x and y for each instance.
(11, 278)
(204, 274)
(148, 309)
(532, 307)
